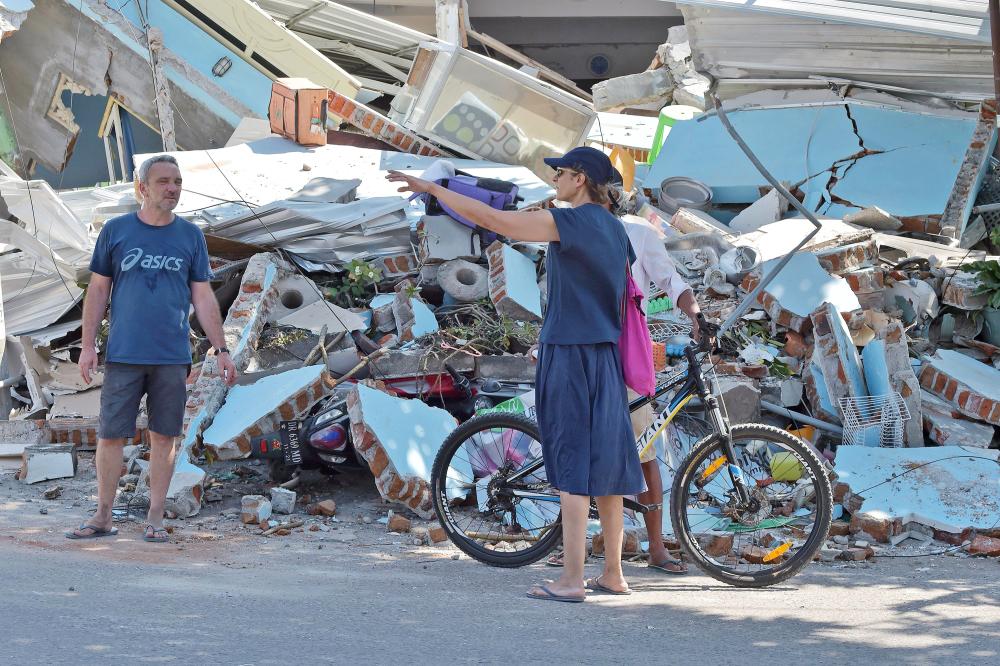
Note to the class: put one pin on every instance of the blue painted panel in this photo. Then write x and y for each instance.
(793, 144)
(914, 176)
(202, 51)
(876, 370)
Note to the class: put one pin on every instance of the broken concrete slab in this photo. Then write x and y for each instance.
(506, 367)
(44, 462)
(282, 500)
(86, 404)
(464, 281)
(836, 355)
(741, 398)
(15, 436)
(851, 257)
(399, 440)
(255, 409)
(945, 426)
(765, 210)
(415, 363)
(875, 218)
(859, 149)
(513, 286)
(654, 85)
(412, 315)
(798, 290)
(959, 290)
(442, 238)
(929, 486)
(294, 293)
(973, 387)
(254, 510)
(322, 314)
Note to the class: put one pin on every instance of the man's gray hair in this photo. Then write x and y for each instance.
(143, 171)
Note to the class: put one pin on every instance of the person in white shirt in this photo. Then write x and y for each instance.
(653, 265)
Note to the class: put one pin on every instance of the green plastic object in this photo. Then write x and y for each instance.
(668, 116)
(659, 305)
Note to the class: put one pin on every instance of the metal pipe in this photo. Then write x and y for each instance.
(752, 296)
(986, 208)
(10, 381)
(995, 41)
(781, 411)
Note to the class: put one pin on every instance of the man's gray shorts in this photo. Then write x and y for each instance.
(125, 384)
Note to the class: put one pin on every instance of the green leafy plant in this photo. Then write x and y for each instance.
(989, 280)
(358, 283)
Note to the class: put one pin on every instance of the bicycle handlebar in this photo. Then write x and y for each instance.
(707, 335)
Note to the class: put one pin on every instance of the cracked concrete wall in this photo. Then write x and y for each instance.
(46, 47)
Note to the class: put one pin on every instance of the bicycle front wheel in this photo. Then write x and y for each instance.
(490, 492)
(771, 536)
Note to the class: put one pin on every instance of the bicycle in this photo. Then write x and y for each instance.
(750, 505)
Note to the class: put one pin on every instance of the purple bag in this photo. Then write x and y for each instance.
(634, 345)
(495, 193)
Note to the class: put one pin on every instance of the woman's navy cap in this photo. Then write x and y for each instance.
(593, 162)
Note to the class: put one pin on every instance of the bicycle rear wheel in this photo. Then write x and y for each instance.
(768, 539)
(488, 505)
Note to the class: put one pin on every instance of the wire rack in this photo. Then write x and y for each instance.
(661, 331)
(989, 193)
(874, 420)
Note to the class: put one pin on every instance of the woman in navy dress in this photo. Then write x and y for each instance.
(580, 393)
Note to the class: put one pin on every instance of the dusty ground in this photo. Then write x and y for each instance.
(219, 593)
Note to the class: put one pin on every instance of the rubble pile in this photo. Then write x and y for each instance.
(879, 341)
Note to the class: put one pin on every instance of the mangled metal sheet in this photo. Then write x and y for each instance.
(284, 220)
(274, 168)
(961, 19)
(49, 220)
(374, 49)
(749, 50)
(13, 13)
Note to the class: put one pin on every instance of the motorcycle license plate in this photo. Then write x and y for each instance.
(290, 444)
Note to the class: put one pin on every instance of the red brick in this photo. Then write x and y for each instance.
(251, 288)
(950, 388)
(795, 345)
(984, 545)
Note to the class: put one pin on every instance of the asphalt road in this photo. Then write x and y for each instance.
(279, 602)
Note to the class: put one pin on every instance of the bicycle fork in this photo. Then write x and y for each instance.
(722, 429)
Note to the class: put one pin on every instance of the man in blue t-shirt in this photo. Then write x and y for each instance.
(154, 267)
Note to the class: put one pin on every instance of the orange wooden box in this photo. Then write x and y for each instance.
(298, 111)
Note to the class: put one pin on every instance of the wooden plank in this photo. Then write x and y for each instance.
(543, 71)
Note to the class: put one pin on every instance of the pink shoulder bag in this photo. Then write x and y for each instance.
(634, 345)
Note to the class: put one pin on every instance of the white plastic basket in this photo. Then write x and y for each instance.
(875, 420)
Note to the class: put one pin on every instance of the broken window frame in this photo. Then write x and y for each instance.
(112, 123)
